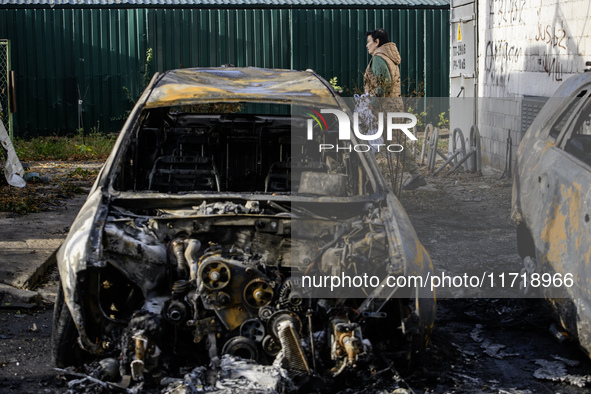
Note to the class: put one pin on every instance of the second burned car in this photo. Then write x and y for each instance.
(551, 205)
(211, 208)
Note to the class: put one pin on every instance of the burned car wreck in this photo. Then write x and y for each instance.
(210, 211)
(551, 204)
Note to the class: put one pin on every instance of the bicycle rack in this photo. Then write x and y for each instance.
(429, 149)
(430, 141)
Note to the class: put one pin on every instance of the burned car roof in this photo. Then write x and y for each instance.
(232, 84)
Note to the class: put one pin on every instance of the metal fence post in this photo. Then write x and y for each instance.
(4, 86)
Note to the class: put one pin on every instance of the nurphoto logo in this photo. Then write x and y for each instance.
(375, 139)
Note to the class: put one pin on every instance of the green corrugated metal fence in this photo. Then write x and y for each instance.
(68, 59)
(332, 42)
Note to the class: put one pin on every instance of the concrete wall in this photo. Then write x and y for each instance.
(525, 48)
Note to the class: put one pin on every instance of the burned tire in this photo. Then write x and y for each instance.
(64, 335)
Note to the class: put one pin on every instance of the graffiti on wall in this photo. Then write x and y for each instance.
(556, 40)
(507, 12)
(552, 36)
(501, 59)
(552, 66)
(502, 55)
(547, 42)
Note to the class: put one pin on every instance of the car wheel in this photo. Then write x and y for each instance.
(64, 335)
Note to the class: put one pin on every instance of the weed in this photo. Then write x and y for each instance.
(335, 85)
(83, 149)
(20, 206)
(443, 121)
(68, 189)
(83, 174)
(148, 66)
(95, 146)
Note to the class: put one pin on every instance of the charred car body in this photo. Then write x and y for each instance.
(194, 239)
(552, 205)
